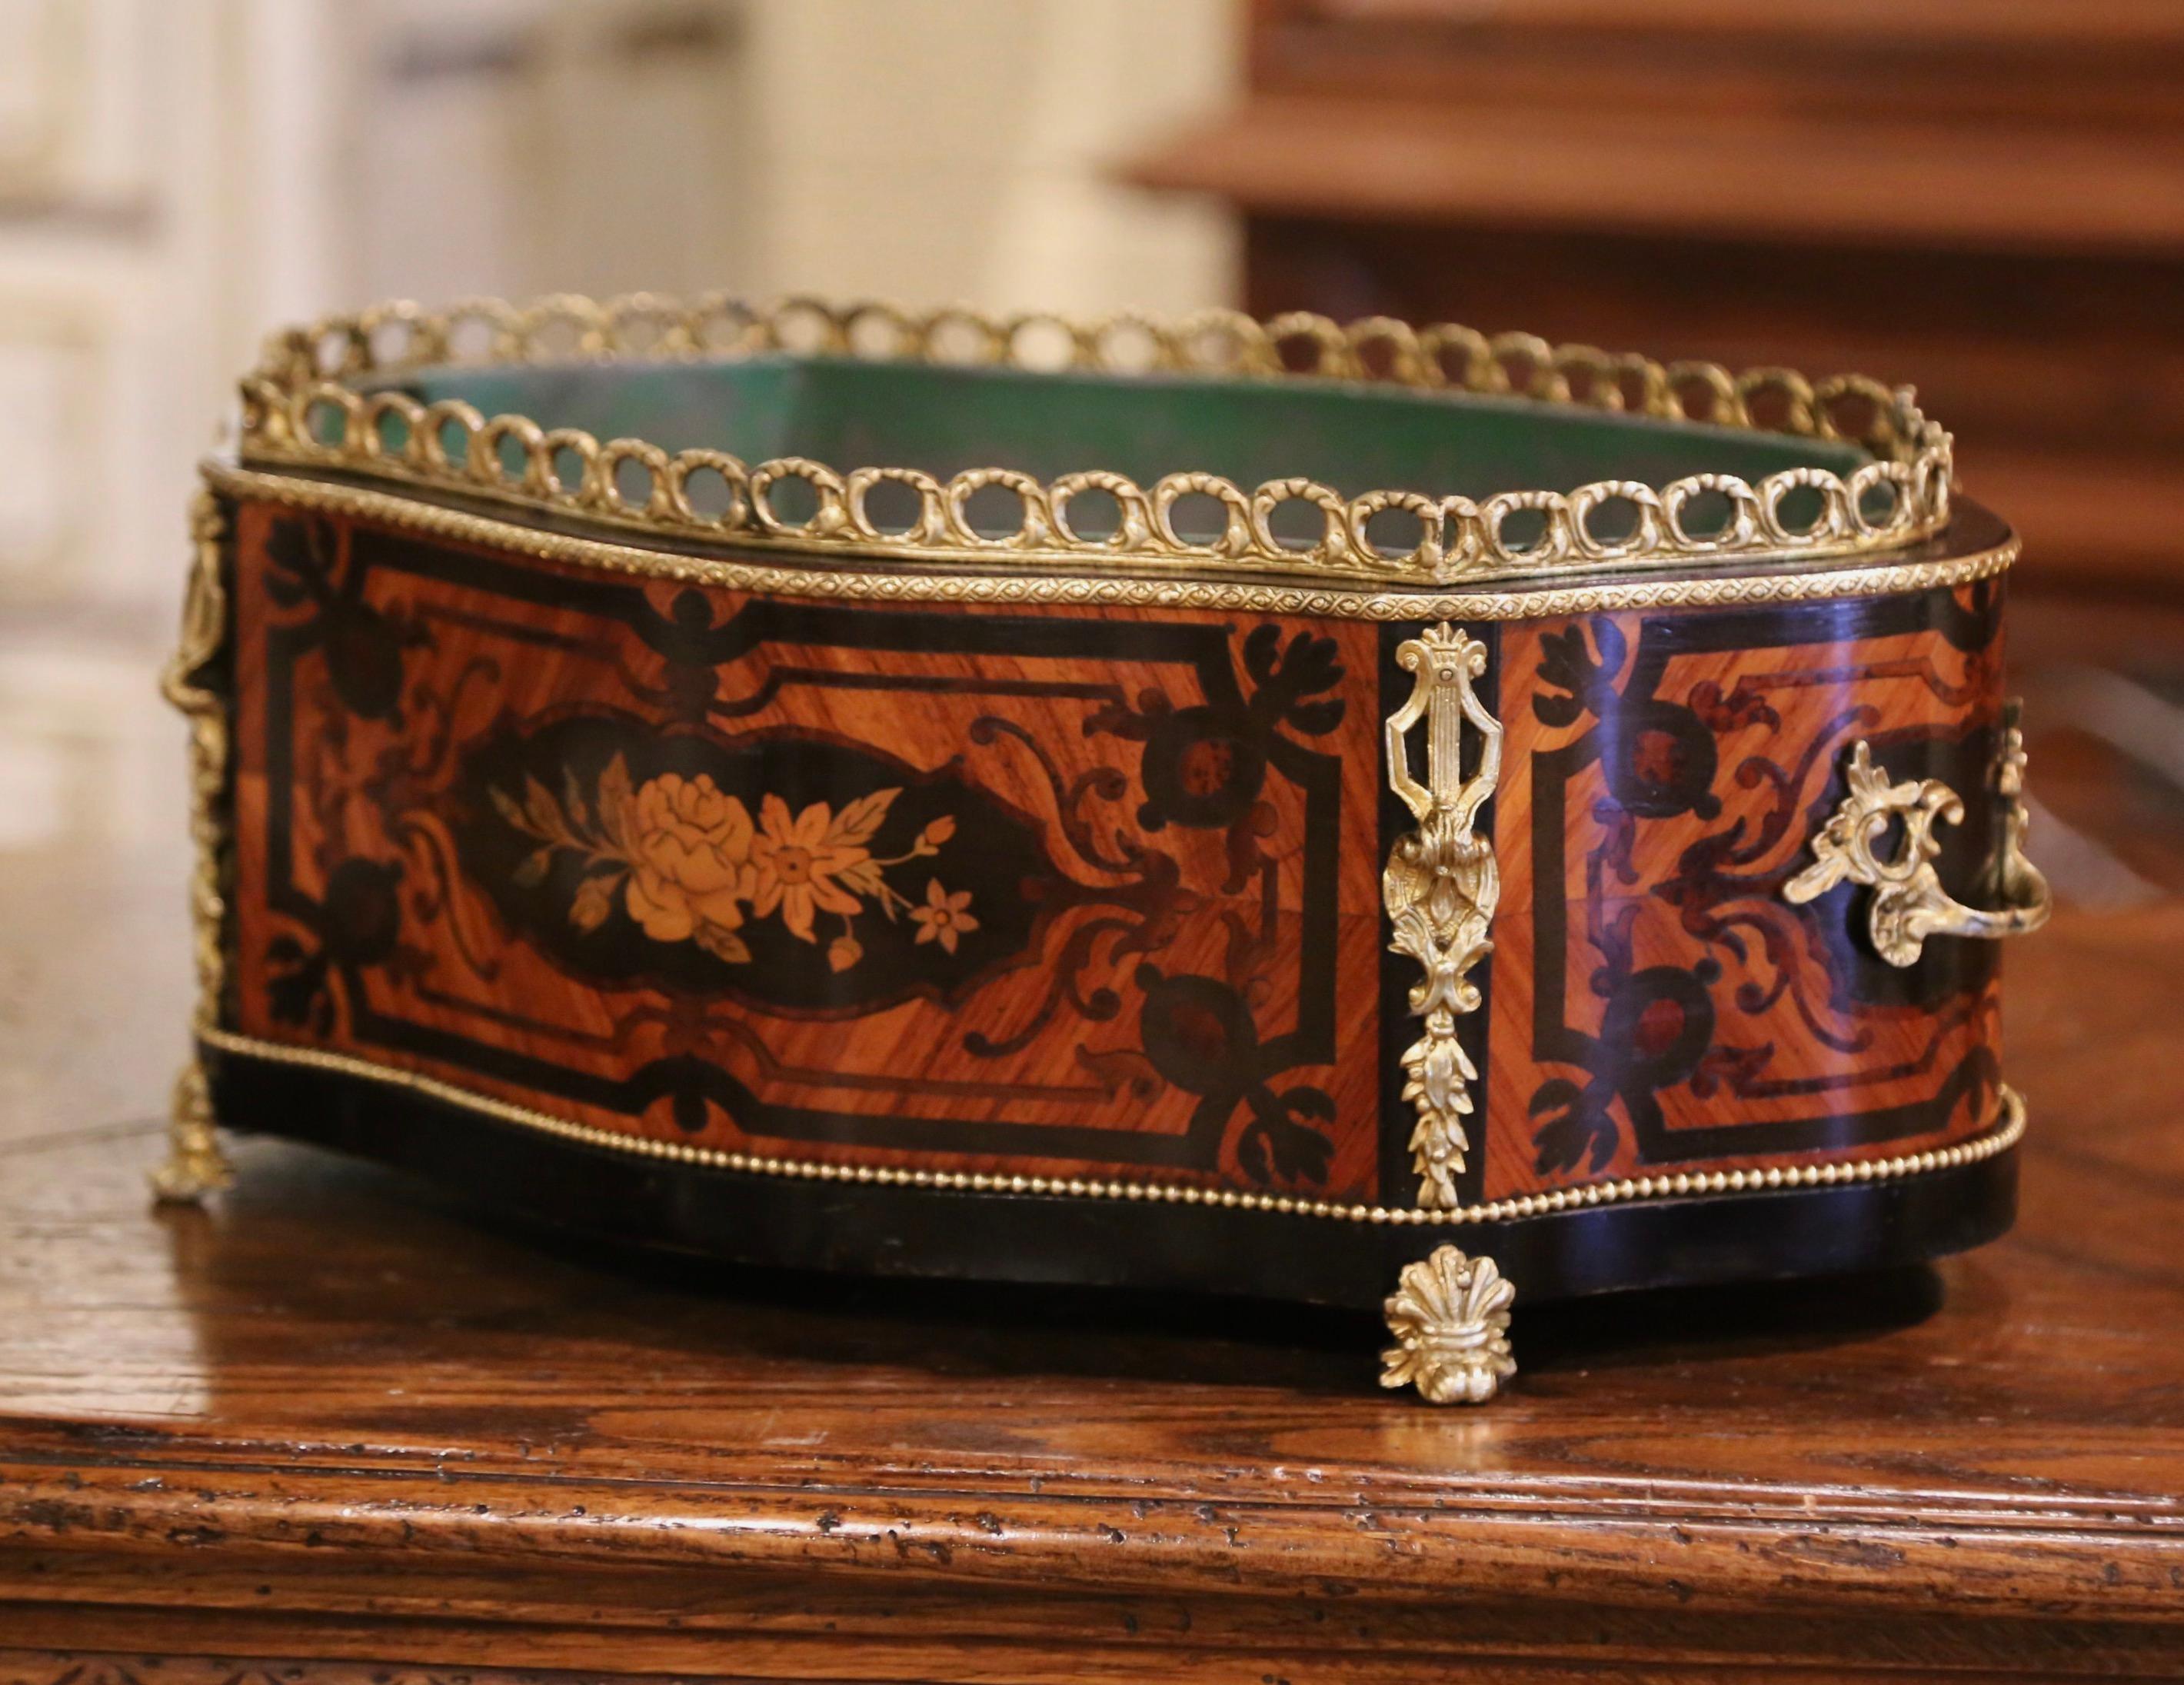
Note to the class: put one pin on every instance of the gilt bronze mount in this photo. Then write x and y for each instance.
(1909, 904)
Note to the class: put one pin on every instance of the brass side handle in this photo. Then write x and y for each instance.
(1909, 902)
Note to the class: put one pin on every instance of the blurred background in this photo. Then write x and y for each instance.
(1984, 198)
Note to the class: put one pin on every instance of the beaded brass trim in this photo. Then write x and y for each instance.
(1101, 589)
(302, 407)
(1999, 1137)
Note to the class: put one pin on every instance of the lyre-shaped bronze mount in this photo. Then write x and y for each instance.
(1441, 888)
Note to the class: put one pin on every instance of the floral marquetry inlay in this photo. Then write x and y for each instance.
(881, 887)
(690, 863)
(797, 873)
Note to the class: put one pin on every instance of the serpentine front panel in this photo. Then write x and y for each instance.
(1027, 892)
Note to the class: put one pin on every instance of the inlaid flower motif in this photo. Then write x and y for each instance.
(692, 858)
(943, 918)
(688, 863)
(806, 864)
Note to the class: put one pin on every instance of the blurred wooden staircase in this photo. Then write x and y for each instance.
(1983, 198)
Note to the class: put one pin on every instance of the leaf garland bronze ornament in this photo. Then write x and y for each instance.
(1450, 1315)
(690, 865)
(1909, 903)
(196, 1165)
(1441, 887)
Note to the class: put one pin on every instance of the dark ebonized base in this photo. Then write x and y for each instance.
(895, 1231)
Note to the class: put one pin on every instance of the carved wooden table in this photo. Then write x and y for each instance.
(331, 1430)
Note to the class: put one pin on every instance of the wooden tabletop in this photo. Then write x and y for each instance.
(334, 1404)
(335, 1424)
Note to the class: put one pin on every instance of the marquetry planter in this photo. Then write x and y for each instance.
(1129, 863)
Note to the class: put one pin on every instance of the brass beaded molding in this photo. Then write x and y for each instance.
(2005, 1133)
(319, 399)
(1866, 577)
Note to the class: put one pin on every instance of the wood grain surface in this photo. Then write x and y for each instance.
(1034, 891)
(334, 1419)
(1038, 891)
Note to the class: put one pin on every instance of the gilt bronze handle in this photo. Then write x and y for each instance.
(1909, 902)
